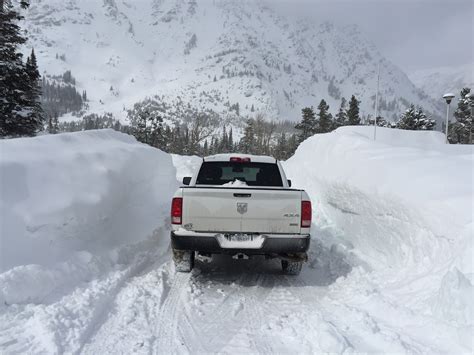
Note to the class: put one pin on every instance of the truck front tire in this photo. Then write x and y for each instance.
(291, 267)
(183, 260)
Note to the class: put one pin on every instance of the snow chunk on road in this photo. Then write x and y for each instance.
(68, 201)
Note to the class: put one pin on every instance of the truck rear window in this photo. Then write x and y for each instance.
(253, 174)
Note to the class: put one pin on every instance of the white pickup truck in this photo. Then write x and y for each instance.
(241, 205)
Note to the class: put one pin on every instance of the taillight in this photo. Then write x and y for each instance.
(177, 210)
(239, 160)
(306, 214)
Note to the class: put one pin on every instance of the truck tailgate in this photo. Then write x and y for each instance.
(244, 210)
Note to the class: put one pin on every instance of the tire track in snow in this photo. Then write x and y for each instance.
(255, 313)
(101, 313)
(131, 322)
(191, 328)
(69, 325)
(66, 326)
(239, 312)
(329, 310)
(167, 326)
(143, 263)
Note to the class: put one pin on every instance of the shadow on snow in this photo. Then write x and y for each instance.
(325, 265)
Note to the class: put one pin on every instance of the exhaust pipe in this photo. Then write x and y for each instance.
(240, 256)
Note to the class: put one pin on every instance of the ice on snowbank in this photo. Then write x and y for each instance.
(403, 206)
(68, 198)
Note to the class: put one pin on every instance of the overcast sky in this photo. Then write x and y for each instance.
(414, 34)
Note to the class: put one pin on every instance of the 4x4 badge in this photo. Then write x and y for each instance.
(242, 207)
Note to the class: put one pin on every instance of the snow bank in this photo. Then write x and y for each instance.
(69, 201)
(404, 176)
(402, 208)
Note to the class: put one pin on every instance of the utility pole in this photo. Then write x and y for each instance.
(376, 102)
(448, 97)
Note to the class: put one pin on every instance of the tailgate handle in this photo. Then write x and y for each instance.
(242, 195)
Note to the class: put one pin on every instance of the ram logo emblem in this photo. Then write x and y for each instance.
(242, 207)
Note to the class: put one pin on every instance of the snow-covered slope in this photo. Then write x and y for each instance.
(438, 81)
(211, 54)
(69, 199)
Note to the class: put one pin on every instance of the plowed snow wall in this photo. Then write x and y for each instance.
(87, 191)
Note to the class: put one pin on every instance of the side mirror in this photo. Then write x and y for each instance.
(187, 180)
(289, 182)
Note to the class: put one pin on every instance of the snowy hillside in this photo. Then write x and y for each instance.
(86, 267)
(438, 81)
(211, 55)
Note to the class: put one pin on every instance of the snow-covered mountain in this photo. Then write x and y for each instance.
(212, 54)
(438, 81)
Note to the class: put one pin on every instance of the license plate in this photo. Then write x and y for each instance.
(239, 237)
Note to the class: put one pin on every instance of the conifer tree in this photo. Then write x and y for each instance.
(248, 140)
(341, 116)
(212, 146)
(33, 94)
(461, 131)
(169, 139)
(18, 116)
(156, 133)
(186, 149)
(408, 119)
(308, 124)
(50, 125)
(55, 124)
(177, 140)
(292, 145)
(224, 142)
(205, 149)
(415, 119)
(325, 123)
(281, 149)
(139, 123)
(423, 122)
(230, 142)
(353, 117)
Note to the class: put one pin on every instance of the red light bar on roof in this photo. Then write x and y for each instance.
(239, 160)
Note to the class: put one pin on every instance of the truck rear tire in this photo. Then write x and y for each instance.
(183, 260)
(291, 267)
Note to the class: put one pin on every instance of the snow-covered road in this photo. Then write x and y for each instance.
(226, 306)
(382, 276)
